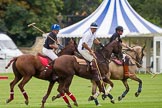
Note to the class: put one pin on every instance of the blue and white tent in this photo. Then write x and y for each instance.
(108, 16)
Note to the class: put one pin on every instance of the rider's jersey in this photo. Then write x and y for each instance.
(49, 41)
(115, 36)
(87, 38)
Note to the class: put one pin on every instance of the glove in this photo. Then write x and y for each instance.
(60, 46)
(101, 45)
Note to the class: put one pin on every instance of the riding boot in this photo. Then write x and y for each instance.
(126, 72)
(94, 71)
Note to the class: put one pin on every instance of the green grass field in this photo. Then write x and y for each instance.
(151, 96)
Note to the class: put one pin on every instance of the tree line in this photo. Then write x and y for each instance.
(15, 15)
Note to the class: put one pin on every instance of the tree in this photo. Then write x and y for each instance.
(149, 9)
(17, 14)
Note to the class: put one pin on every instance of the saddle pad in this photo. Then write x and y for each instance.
(80, 61)
(118, 62)
(44, 61)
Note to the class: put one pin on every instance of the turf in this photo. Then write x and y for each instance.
(151, 96)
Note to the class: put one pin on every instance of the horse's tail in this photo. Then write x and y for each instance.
(12, 60)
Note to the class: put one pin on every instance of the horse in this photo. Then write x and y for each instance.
(28, 65)
(66, 67)
(116, 72)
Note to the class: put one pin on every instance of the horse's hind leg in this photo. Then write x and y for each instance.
(47, 94)
(21, 86)
(61, 89)
(72, 97)
(139, 86)
(12, 84)
(126, 91)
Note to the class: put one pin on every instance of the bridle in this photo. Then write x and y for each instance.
(137, 58)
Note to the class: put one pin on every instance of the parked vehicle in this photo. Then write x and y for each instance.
(8, 49)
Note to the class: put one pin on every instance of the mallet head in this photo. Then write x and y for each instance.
(32, 24)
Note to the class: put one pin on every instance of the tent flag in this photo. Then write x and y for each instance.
(108, 16)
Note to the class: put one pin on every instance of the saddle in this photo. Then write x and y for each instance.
(45, 61)
(80, 59)
(120, 62)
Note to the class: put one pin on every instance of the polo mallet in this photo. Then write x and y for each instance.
(33, 25)
(101, 81)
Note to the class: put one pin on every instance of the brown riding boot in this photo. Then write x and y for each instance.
(127, 74)
(94, 71)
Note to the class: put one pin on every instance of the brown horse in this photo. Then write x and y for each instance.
(116, 72)
(26, 66)
(66, 67)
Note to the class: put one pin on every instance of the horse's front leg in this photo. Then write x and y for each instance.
(47, 94)
(139, 86)
(95, 94)
(107, 91)
(126, 91)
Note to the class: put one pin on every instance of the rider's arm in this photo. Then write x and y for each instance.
(53, 46)
(86, 47)
(125, 45)
(96, 41)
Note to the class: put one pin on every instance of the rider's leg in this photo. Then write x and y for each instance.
(93, 64)
(52, 56)
(125, 67)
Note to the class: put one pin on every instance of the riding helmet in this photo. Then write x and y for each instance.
(119, 28)
(55, 27)
(94, 25)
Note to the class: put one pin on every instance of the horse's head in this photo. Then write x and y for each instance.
(113, 47)
(137, 55)
(69, 49)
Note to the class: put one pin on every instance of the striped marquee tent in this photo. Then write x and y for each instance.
(112, 13)
(108, 16)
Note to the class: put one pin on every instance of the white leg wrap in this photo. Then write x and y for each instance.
(96, 94)
(108, 90)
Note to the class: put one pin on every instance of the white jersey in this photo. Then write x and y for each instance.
(87, 38)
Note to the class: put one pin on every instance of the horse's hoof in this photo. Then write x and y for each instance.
(103, 96)
(69, 106)
(8, 101)
(42, 106)
(91, 98)
(26, 102)
(119, 98)
(75, 103)
(54, 98)
(112, 101)
(137, 94)
(99, 105)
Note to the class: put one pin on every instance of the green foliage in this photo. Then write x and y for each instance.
(149, 9)
(15, 15)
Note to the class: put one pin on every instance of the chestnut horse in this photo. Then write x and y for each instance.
(26, 66)
(66, 67)
(116, 72)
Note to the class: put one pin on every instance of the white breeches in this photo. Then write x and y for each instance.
(86, 55)
(49, 53)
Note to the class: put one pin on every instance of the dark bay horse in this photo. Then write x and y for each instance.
(66, 67)
(26, 66)
(116, 72)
